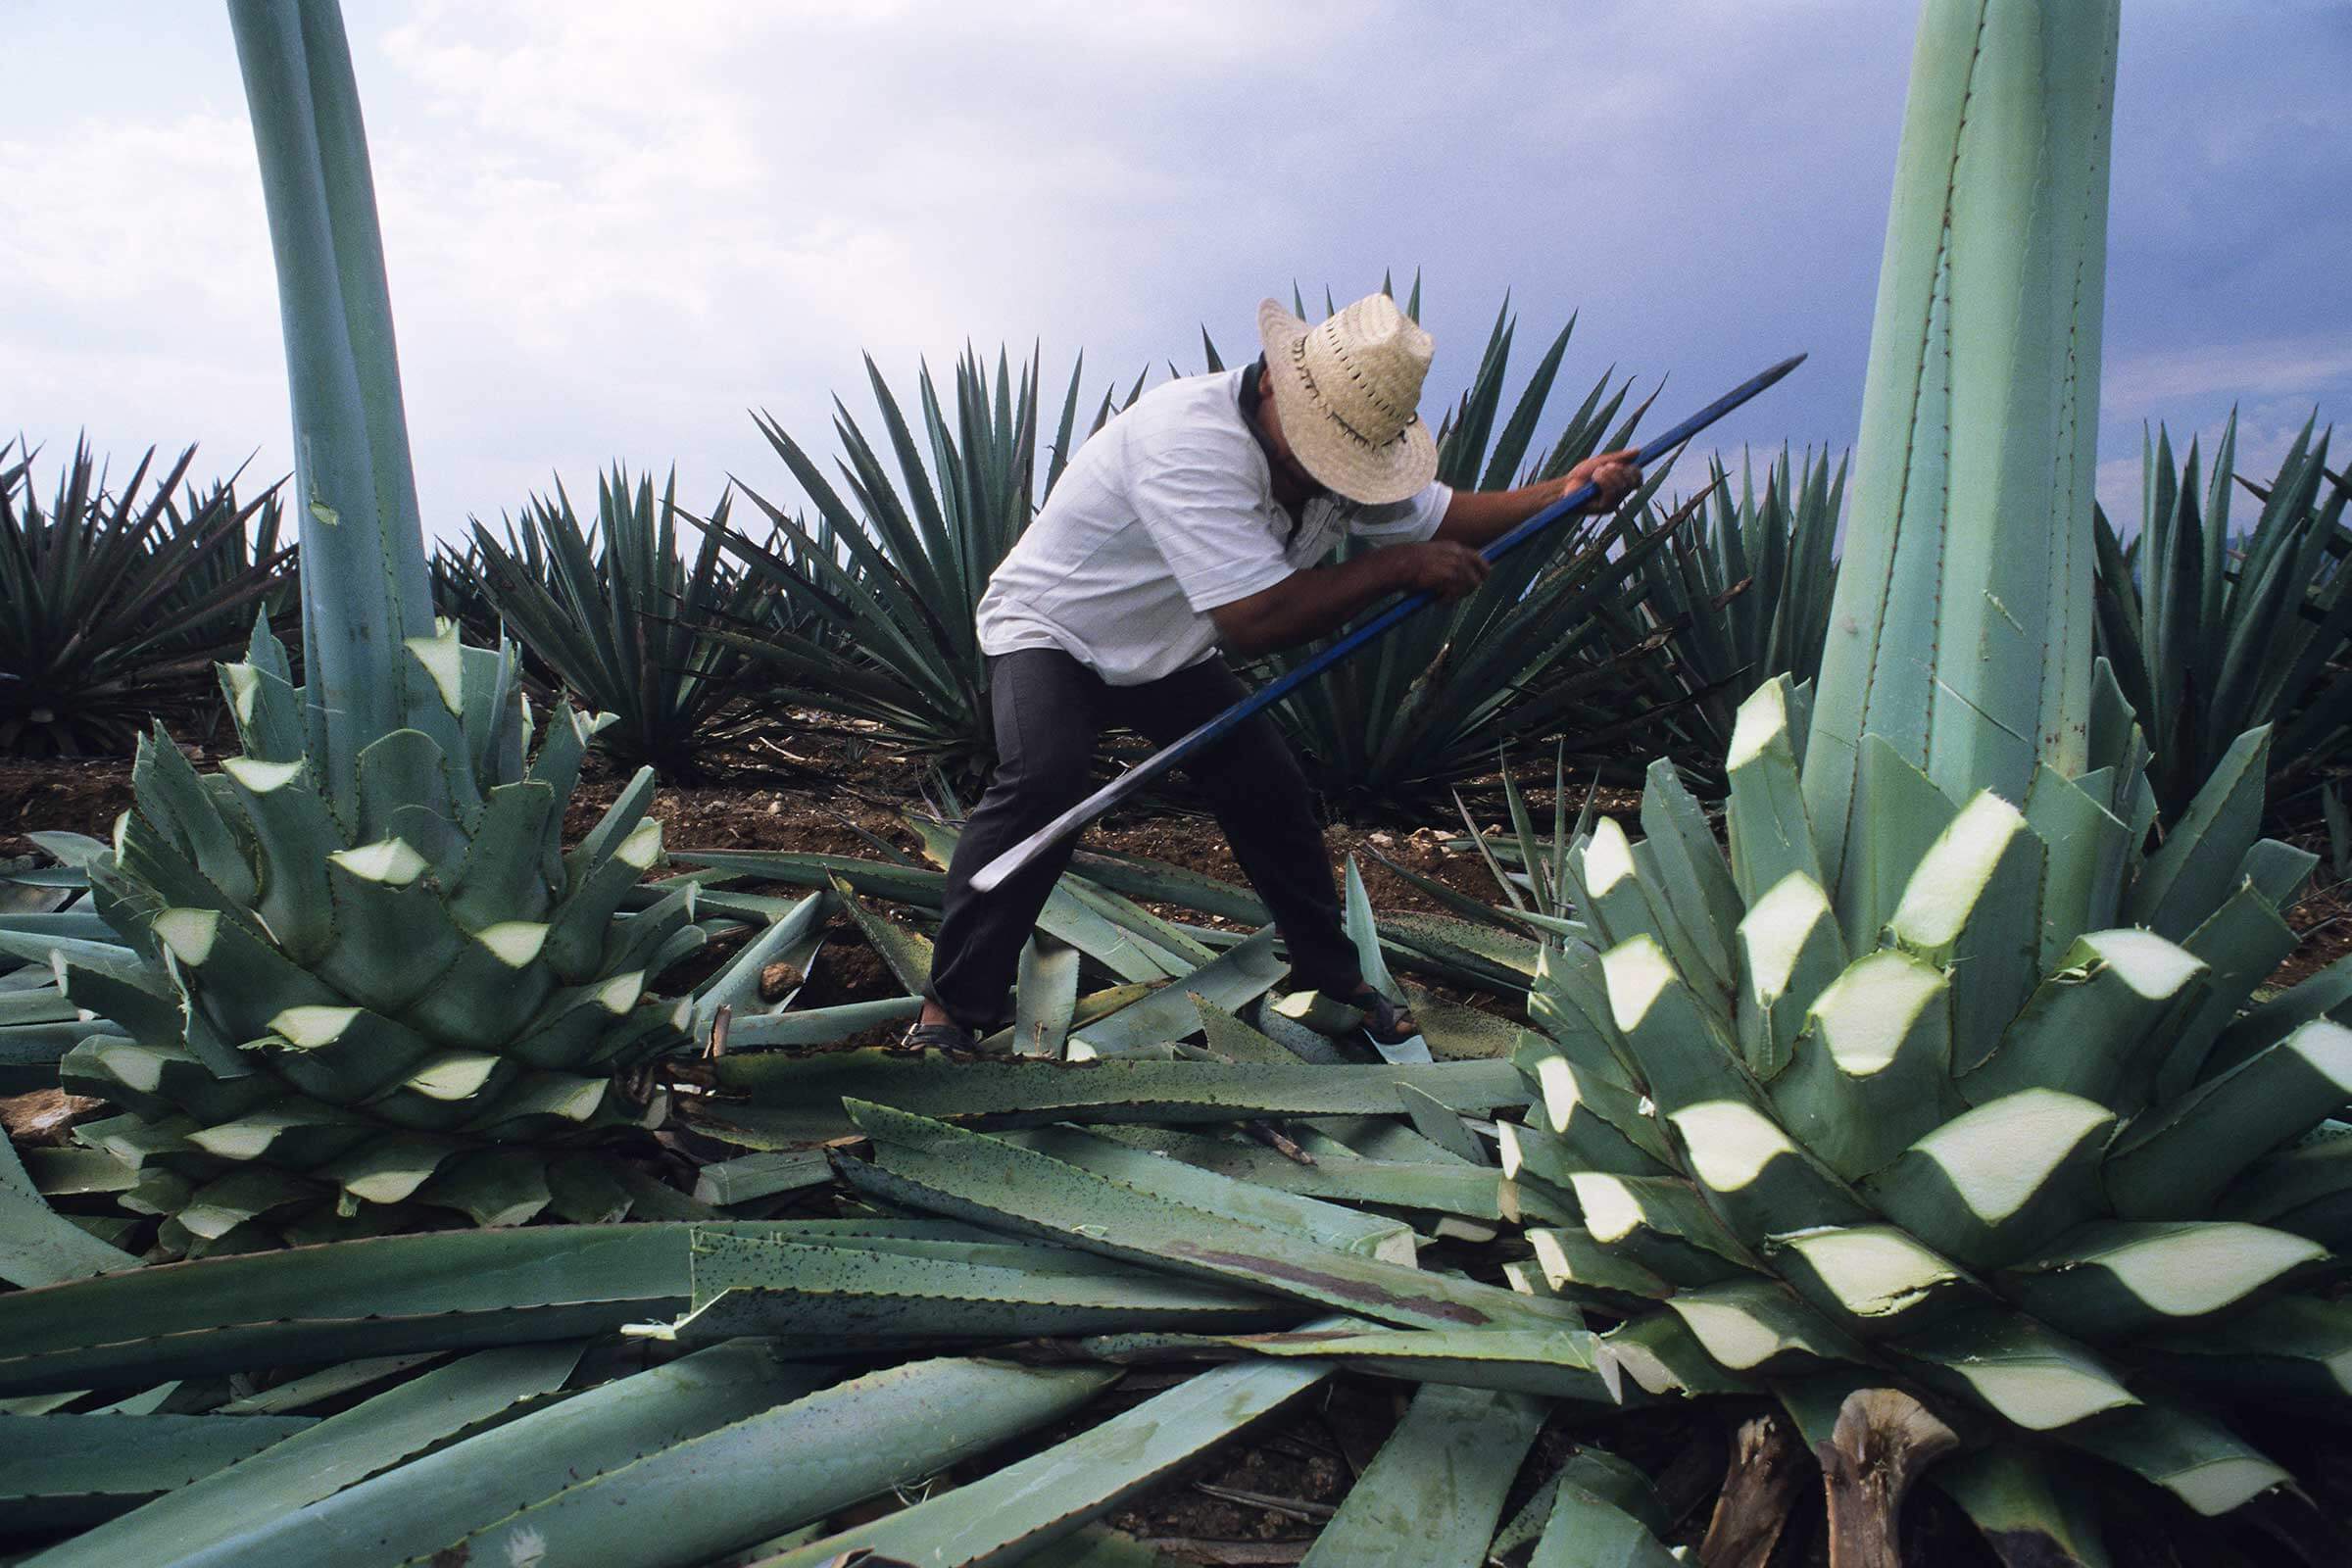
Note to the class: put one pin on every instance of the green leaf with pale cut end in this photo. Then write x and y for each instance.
(1570, 1003)
(1432, 1495)
(1765, 819)
(1973, 908)
(2195, 1459)
(1996, 1183)
(1790, 948)
(1763, 1181)
(2017, 1368)
(1759, 1327)
(2087, 850)
(1669, 1034)
(1554, 1159)
(2188, 878)
(2098, 1026)
(2124, 1276)
(2178, 1160)
(2029, 1510)
(1662, 1356)
(1624, 896)
(1582, 1269)
(1872, 1071)
(389, 1169)
(2320, 996)
(1898, 815)
(1661, 1222)
(1874, 1279)
(1030, 1504)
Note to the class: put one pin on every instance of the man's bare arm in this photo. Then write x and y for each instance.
(1308, 604)
(1476, 517)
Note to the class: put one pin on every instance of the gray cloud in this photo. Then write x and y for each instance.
(608, 237)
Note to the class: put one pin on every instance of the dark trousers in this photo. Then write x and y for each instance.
(1048, 709)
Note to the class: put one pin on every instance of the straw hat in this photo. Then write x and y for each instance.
(1345, 393)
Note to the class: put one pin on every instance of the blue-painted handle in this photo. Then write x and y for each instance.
(1266, 696)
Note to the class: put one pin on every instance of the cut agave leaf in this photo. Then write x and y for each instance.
(1432, 1495)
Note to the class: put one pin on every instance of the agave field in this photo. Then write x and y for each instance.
(1893, 1119)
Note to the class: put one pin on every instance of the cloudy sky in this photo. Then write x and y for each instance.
(615, 228)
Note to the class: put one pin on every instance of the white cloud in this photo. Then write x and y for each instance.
(2279, 367)
(612, 228)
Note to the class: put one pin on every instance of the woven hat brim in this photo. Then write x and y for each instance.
(1373, 476)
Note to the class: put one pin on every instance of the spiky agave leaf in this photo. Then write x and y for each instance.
(115, 603)
(623, 620)
(2209, 633)
(1741, 593)
(878, 589)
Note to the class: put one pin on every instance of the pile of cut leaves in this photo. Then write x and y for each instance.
(1006, 1295)
(841, 1272)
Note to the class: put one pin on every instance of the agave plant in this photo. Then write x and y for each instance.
(628, 628)
(879, 590)
(1522, 658)
(1935, 1078)
(114, 603)
(2209, 633)
(1739, 595)
(353, 982)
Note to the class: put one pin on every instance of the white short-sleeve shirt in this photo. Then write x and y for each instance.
(1167, 513)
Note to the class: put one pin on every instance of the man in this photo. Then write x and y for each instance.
(1199, 519)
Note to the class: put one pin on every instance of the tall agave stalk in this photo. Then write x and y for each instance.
(1960, 633)
(355, 976)
(1939, 1080)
